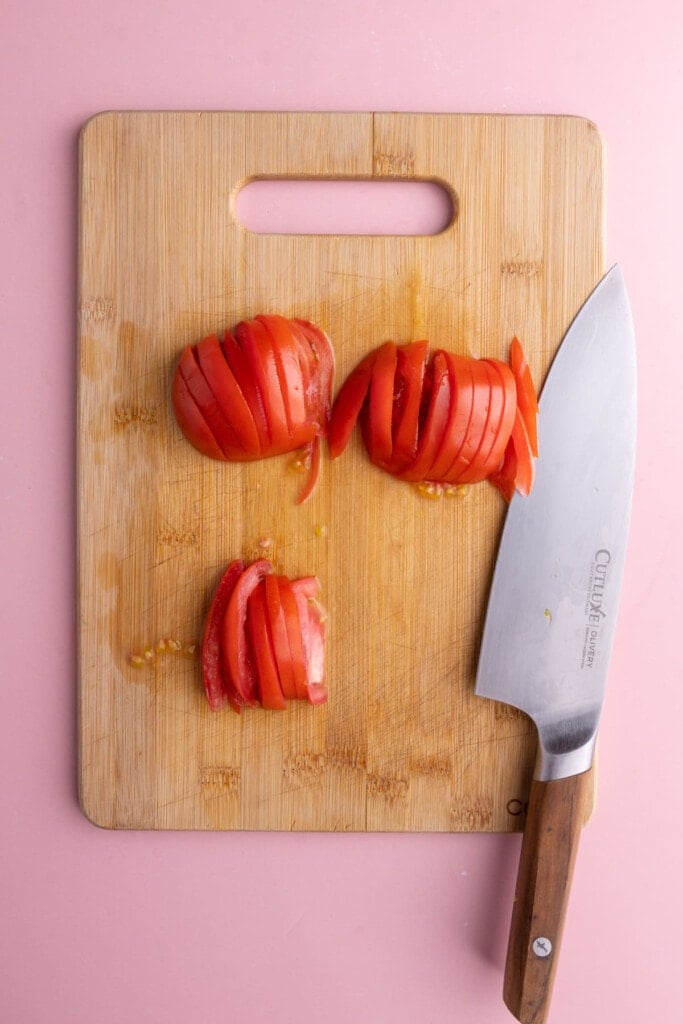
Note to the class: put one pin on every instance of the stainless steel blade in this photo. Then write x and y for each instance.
(552, 609)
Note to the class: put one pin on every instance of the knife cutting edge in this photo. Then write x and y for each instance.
(551, 615)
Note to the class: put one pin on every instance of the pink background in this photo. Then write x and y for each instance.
(103, 927)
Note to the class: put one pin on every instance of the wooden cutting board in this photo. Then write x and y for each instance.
(402, 744)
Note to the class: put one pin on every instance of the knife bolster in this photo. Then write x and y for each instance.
(558, 757)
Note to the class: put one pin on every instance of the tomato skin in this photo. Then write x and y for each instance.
(441, 419)
(263, 641)
(263, 391)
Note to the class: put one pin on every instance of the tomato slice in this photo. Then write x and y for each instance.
(321, 363)
(289, 372)
(411, 360)
(481, 399)
(527, 401)
(458, 417)
(218, 692)
(269, 689)
(291, 613)
(237, 658)
(312, 625)
(379, 414)
(191, 421)
(436, 421)
(491, 417)
(348, 404)
(501, 434)
(238, 363)
(278, 632)
(257, 345)
(218, 424)
(517, 470)
(228, 393)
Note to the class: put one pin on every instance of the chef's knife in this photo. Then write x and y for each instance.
(551, 615)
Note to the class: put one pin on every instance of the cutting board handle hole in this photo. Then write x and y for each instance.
(332, 206)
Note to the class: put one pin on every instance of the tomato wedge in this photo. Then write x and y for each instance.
(264, 390)
(444, 419)
(263, 641)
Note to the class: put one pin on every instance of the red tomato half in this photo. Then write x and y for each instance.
(442, 419)
(264, 390)
(264, 640)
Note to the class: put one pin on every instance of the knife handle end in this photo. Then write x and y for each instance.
(556, 815)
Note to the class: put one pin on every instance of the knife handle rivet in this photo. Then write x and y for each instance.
(542, 947)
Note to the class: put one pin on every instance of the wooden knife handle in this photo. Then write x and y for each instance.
(555, 818)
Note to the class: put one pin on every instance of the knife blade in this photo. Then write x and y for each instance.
(551, 615)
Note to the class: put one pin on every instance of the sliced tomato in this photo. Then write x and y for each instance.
(291, 614)
(228, 393)
(218, 423)
(411, 360)
(348, 404)
(238, 363)
(278, 632)
(257, 346)
(312, 624)
(238, 662)
(527, 400)
(481, 400)
(462, 389)
(291, 378)
(501, 433)
(517, 470)
(218, 691)
(258, 629)
(491, 415)
(191, 421)
(436, 420)
(321, 363)
(378, 422)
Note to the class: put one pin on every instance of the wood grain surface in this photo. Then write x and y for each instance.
(402, 744)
